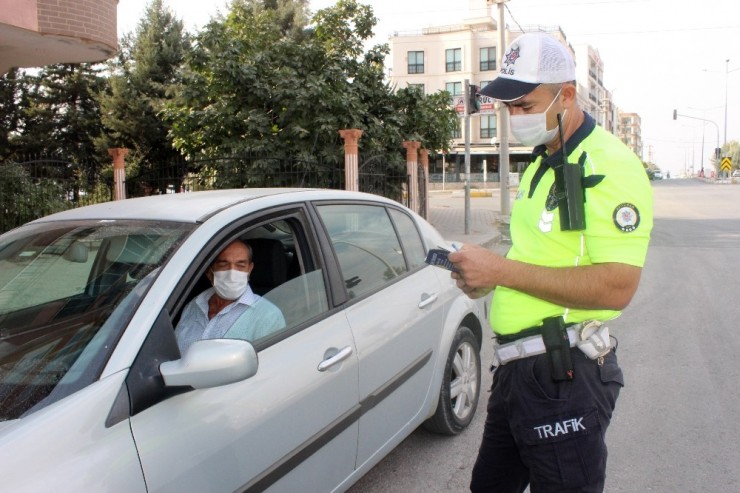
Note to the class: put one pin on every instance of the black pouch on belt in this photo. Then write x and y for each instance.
(557, 345)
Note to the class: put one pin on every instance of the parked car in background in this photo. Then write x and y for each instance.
(95, 395)
(736, 173)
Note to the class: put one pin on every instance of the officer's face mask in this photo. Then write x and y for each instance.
(531, 129)
(230, 284)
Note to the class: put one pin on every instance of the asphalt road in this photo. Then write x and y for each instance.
(676, 427)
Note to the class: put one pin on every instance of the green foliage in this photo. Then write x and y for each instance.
(429, 119)
(261, 80)
(61, 115)
(264, 79)
(12, 89)
(22, 200)
(144, 76)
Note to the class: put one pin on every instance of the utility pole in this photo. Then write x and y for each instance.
(466, 95)
(502, 119)
(727, 75)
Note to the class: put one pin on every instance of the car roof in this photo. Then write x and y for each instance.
(193, 207)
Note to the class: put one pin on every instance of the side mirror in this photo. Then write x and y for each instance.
(211, 363)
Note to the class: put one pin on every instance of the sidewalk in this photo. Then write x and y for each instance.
(487, 227)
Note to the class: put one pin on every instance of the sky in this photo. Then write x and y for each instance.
(658, 55)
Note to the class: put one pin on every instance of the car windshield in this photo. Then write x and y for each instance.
(67, 290)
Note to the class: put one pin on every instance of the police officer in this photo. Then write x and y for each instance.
(557, 377)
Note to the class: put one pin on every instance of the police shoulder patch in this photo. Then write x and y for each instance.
(626, 217)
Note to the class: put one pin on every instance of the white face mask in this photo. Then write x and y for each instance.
(531, 129)
(230, 284)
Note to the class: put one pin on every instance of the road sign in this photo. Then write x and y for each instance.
(726, 164)
(459, 103)
(486, 104)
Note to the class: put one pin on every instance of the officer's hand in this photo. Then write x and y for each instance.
(477, 269)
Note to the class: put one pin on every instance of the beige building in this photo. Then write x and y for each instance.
(35, 33)
(631, 131)
(593, 97)
(443, 57)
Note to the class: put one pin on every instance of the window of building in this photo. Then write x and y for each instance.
(454, 60)
(454, 88)
(488, 59)
(487, 126)
(484, 83)
(416, 62)
(457, 133)
(417, 87)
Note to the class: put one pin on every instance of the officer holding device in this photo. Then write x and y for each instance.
(580, 227)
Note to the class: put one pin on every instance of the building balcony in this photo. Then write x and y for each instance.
(35, 33)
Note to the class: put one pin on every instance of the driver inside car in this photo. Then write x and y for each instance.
(229, 308)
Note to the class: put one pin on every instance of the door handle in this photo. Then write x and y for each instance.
(431, 298)
(337, 358)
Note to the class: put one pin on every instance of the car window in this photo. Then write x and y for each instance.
(366, 245)
(286, 282)
(67, 290)
(410, 239)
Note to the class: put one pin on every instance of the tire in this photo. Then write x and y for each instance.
(458, 396)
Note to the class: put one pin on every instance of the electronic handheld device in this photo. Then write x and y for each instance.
(438, 257)
(569, 189)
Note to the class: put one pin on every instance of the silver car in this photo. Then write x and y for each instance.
(95, 395)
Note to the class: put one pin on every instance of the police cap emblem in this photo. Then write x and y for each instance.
(626, 217)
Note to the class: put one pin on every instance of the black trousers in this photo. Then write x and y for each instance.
(545, 434)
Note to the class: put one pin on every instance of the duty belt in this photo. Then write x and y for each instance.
(590, 337)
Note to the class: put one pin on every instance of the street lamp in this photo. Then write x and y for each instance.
(727, 77)
(676, 114)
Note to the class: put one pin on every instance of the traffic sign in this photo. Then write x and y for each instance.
(486, 104)
(459, 103)
(726, 164)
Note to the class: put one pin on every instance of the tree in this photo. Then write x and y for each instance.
(255, 82)
(143, 78)
(12, 90)
(262, 80)
(429, 119)
(61, 116)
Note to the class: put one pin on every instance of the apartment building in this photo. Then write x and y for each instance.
(593, 96)
(631, 131)
(443, 57)
(34, 33)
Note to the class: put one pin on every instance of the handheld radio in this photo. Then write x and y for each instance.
(569, 189)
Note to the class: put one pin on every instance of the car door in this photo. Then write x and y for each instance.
(290, 427)
(396, 322)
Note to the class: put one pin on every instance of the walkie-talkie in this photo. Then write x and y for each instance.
(569, 189)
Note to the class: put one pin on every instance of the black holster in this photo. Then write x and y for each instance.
(557, 345)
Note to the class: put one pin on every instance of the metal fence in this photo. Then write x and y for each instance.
(33, 188)
(239, 171)
(380, 175)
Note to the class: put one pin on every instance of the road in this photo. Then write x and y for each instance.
(676, 423)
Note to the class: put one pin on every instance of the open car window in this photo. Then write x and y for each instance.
(288, 281)
(67, 290)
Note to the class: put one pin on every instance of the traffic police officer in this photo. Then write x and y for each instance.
(580, 227)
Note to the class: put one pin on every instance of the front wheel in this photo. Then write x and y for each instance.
(458, 397)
